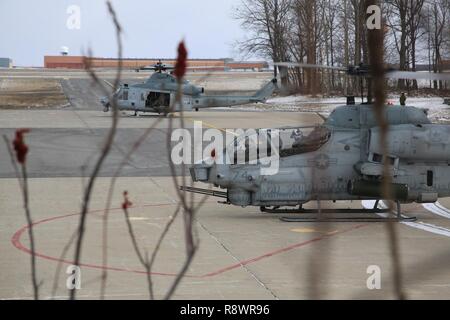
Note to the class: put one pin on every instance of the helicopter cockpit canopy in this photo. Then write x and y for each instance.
(117, 95)
(167, 82)
(249, 148)
(305, 140)
(165, 77)
(122, 93)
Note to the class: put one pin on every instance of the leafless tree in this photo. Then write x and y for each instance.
(376, 56)
(438, 16)
(405, 18)
(186, 205)
(334, 32)
(21, 150)
(106, 145)
(268, 23)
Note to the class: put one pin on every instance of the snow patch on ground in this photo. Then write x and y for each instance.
(438, 111)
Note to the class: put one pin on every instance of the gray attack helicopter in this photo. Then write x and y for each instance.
(339, 160)
(157, 94)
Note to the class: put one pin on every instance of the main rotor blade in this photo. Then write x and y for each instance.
(157, 67)
(408, 75)
(411, 75)
(206, 67)
(108, 83)
(307, 65)
(188, 68)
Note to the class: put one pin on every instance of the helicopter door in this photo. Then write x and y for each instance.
(125, 94)
(157, 99)
(430, 178)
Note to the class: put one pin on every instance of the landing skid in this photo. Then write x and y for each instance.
(329, 215)
(325, 211)
(348, 219)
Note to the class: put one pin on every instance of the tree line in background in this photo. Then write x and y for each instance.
(334, 33)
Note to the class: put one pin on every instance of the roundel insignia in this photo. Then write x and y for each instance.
(322, 161)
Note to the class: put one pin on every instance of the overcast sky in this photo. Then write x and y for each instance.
(152, 28)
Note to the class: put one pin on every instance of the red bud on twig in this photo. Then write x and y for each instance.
(20, 147)
(126, 203)
(180, 67)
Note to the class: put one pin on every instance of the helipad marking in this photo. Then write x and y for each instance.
(16, 242)
(417, 225)
(438, 209)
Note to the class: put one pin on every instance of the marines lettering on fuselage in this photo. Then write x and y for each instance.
(288, 191)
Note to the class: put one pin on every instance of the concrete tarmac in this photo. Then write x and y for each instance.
(242, 254)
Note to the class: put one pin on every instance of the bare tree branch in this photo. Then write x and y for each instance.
(376, 52)
(23, 182)
(106, 147)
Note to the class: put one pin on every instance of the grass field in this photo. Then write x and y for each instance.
(31, 94)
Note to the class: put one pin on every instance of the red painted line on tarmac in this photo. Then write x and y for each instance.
(282, 250)
(16, 242)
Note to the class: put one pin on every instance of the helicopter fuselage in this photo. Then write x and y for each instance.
(343, 160)
(159, 93)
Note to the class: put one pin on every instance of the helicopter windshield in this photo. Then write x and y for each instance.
(122, 93)
(164, 77)
(306, 140)
(292, 141)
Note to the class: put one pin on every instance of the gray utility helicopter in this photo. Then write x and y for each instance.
(158, 93)
(339, 160)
